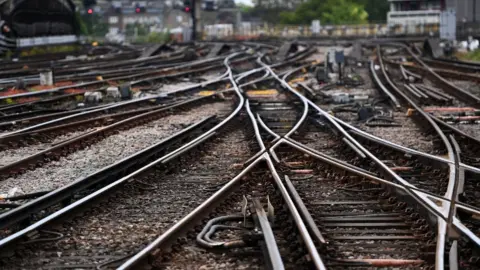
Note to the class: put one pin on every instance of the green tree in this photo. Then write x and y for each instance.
(377, 10)
(81, 24)
(142, 29)
(155, 37)
(269, 15)
(244, 8)
(94, 25)
(327, 11)
(344, 12)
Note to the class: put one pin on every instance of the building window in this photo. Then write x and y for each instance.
(113, 20)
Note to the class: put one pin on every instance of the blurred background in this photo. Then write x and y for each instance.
(26, 23)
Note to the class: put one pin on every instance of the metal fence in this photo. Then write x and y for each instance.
(249, 31)
(468, 29)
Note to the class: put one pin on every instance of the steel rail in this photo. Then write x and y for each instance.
(293, 129)
(267, 129)
(442, 72)
(23, 107)
(69, 117)
(348, 167)
(133, 120)
(423, 196)
(80, 123)
(128, 71)
(297, 124)
(302, 118)
(116, 169)
(424, 203)
(368, 136)
(120, 104)
(454, 90)
(113, 106)
(255, 127)
(325, 157)
(318, 237)
(276, 137)
(266, 71)
(460, 62)
(71, 207)
(308, 241)
(274, 258)
(442, 225)
(364, 173)
(35, 79)
(175, 230)
(44, 62)
(457, 189)
(187, 72)
(227, 119)
(30, 116)
(83, 84)
(37, 119)
(16, 236)
(134, 260)
(382, 87)
(450, 64)
(189, 220)
(447, 144)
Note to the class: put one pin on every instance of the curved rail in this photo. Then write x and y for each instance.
(169, 235)
(413, 193)
(22, 233)
(453, 89)
(207, 204)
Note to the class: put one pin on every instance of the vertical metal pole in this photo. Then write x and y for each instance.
(91, 23)
(194, 21)
(52, 68)
(474, 19)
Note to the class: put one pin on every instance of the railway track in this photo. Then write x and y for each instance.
(451, 144)
(351, 229)
(363, 223)
(378, 153)
(29, 158)
(276, 182)
(145, 207)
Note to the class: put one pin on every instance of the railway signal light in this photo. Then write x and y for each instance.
(6, 29)
(139, 9)
(187, 6)
(90, 11)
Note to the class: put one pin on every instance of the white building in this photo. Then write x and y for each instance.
(410, 12)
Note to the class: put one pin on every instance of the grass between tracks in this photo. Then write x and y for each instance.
(470, 56)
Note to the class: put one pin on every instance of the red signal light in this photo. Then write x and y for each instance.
(187, 9)
(90, 11)
(6, 29)
(137, 10)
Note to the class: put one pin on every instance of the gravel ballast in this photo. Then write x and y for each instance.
(140, 211)
(408, 135)
(12, 155)
(108, 151)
